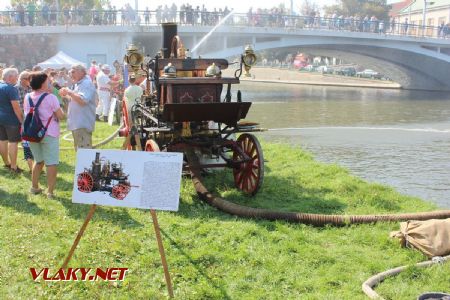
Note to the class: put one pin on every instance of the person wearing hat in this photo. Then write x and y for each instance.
(104, 87)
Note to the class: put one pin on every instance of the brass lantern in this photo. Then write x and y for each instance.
(249, 59)
(133, 57)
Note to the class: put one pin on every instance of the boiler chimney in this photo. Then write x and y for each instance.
(169, 32)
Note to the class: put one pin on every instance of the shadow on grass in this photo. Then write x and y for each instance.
(65, 168)
(199, 269)
(18, 202)
(117, 216)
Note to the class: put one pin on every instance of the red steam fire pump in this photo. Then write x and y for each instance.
(104, 176)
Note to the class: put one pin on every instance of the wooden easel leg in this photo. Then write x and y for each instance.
(138, 142)
(161, 252)
(126, 142)
(80, 234)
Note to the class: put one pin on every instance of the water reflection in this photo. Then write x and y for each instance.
(401, 138)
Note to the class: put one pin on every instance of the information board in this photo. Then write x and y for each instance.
(148, 180)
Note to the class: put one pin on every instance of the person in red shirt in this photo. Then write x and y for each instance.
(93, 70)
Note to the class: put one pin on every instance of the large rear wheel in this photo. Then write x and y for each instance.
(151, 146)
(249, 176)
(85, 182)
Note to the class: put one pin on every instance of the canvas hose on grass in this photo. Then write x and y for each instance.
(296, 217)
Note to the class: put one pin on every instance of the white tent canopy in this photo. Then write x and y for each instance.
(59, 61)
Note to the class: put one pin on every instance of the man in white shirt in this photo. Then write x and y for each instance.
(104, 85)
(132, 93)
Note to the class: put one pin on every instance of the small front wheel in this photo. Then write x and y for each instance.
(120, 191)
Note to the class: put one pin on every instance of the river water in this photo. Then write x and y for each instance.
(394, 137)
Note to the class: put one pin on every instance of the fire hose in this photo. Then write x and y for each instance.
(368, 285)
(296, 217)
(101, 143)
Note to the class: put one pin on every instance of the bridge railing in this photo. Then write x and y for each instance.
(210, 18)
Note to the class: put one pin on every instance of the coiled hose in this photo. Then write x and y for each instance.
(368, 285)
(305, 218)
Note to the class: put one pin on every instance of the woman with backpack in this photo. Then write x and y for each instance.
(46, 151)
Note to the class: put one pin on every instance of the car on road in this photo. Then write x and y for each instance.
(346, 71)
(309, 68)
(368, 73)
(325, 69)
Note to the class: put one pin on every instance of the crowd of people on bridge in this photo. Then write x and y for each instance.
(186, 14)
(79, 94)
(77, 14)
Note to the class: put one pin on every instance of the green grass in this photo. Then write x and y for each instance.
(212, 255)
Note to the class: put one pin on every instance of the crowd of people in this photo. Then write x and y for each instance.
(77, 14)
(81, 95)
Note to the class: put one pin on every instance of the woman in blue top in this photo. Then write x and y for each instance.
(10, 119)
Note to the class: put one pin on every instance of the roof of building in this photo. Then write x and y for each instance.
(398, 6)
(431, 4)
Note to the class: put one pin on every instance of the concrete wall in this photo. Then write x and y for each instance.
(108, 46)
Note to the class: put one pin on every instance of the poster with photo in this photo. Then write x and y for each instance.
(148, 180)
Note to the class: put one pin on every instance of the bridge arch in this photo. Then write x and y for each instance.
(411, 65)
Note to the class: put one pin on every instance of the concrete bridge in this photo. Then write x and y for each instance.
(414, 62)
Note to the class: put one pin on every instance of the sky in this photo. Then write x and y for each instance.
(237, 5)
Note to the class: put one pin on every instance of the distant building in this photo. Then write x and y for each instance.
(437, 12)
(397, 7)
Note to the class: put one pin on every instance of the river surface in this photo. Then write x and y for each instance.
(394, 137)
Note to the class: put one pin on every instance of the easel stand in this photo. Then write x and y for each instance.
(158, 239)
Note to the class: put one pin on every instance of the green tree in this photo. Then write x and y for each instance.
(377, 8)
(88, 4)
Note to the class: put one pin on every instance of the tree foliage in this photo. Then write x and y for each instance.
(87, 4)
(377, 8)
(307, 6)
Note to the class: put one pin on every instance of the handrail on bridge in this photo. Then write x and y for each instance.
(210, 18)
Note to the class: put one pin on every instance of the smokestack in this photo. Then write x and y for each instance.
(169, 32)
(97, 157)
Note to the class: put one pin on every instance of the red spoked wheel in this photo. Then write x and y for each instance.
(85, 182)
(250, 175)
(151, 146)
(120, 191)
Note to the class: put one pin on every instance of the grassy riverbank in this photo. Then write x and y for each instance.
(212, 255)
